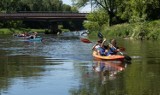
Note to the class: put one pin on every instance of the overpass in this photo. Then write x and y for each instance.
(51, 16)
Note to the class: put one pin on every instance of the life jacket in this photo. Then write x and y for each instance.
(112, 51)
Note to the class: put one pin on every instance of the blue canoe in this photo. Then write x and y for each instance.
(35, 39)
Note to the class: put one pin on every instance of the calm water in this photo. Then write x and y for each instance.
(62, 65)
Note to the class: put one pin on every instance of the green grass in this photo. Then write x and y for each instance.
(149, 30)
(5, 31)
(21, 30)
(65, 30)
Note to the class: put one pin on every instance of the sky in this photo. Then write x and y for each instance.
(83, 10)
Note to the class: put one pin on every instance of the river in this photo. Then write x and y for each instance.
(63, 65)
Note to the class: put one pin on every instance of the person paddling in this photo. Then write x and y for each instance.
(102, 49)
(97, 45)
(33, 36)
(113, 49)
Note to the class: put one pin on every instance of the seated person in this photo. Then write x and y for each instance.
(103, 50)
(97, 45)
(33, 36)
(113, 49)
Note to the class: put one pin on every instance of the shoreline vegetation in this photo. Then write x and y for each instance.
(129, 19)
(7, 31)
(134, 19)
(14, 31)
(149, 30)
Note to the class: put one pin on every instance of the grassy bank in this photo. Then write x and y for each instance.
(12, 31)
(147, 30)
(21, 30)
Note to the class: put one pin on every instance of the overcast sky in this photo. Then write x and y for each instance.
(85, 9)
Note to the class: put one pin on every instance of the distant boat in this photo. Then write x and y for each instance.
(35, 39)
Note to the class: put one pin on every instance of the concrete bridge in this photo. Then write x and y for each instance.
(52, 16)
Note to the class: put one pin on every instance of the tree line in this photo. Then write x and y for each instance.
(10, 6)
(119, 11)
(126, 18)
(16, 6)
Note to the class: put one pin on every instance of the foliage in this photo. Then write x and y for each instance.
(96, 20)
(91, 26)
(13, 30)
(5, 31)
(145, 30)
(109, 6)
(120, 11)
(33, 5)
(135, 12)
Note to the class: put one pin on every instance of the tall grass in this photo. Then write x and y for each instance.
(147, 30)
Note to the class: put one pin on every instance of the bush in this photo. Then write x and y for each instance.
(142, 30)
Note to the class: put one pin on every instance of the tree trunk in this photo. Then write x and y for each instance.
(110, 18)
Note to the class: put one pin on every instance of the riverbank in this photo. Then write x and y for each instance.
(13, 30)
(147, 30)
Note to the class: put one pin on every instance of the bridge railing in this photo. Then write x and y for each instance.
(44, 15)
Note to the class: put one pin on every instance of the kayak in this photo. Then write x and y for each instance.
(85, 40)
(35, 39)
(111, 57)
(20, 36)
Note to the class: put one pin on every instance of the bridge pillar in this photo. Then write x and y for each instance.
(53, 28)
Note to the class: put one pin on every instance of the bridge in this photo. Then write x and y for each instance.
(52, 16)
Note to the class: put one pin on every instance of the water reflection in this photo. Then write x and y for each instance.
(101, 78)
(17, 71)
(108, 70)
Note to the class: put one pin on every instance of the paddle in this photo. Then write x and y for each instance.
(100, 35)
(128, 58)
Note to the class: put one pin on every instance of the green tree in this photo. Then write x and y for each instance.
(96, 20)
(23, 7)
(153, 9)
(126, 10)
(66, 7)
(110, 6)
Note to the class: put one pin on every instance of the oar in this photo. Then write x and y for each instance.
(100, 35)
(126, 56)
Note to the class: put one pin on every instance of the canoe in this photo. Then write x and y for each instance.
(35, 39)
(111, 57)
(85, 40)
(20, 36)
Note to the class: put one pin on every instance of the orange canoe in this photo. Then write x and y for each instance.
(111, 57)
